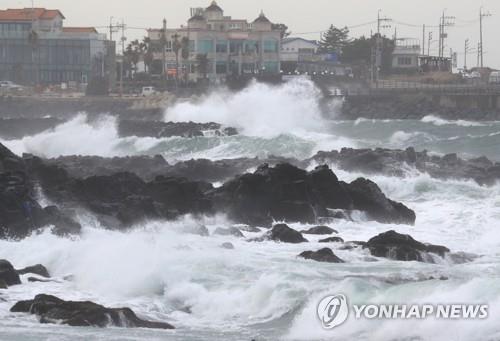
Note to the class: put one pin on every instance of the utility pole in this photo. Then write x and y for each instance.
(482, 15)
(423, 40)
(478, 54)
(164, 53)
(466, 51)
(381, 21)
(123, 39)
(446, 21)
(429, 44)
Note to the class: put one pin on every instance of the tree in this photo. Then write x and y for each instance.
(202, 64)
(360, 51)
(176, 47)
(148, 54)
(283, 29)
(185, 56)
(334, 40)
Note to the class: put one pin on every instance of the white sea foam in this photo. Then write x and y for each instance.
(438, 121)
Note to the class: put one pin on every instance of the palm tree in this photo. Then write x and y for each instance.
(176, 47)
(148, 53)
(202, 64)
(185, 56)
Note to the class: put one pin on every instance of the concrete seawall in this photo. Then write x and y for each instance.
(472, 107)
(63, 107)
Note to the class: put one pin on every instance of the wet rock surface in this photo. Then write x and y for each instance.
(17, 128)
(325, 255)
(283, 233)
(394, 162)
(119, 200)
(8, 275)
(403, 247)
(51, 309)
(319, 230)
(159, 129)
(20, 213)
(38, 269)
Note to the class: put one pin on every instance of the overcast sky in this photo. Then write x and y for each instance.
(301, 16)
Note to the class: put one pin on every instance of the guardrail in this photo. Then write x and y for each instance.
(385, 87)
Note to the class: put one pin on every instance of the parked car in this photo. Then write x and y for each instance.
(9, 85)
(148, 91)
(472, 75)
(494, 77)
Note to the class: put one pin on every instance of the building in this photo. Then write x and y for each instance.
(299, 55)
(214, 46)
(298, 49)
(36, 48)
(406, 55)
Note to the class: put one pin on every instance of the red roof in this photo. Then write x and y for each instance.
(28, 14)
(80, 29)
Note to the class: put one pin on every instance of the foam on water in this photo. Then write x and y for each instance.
(162, 272)
(259, 110)
(262, 290)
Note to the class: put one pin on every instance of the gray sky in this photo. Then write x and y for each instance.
(301, 16)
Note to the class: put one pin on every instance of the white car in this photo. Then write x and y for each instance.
(9, 85)
(148, 91)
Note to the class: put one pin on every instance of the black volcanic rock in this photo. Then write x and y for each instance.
(325, 255)
(403, 247)
(282, 193)
(231, 231)
(283, 233)
(393, 162)
(8, 274)
(368, 197)
(332, 240)
(319, 230)
(38, 269)
(17, 128)
(51, 309)
(160, 129)
(20, 213)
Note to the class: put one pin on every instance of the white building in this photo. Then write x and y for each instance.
(231, 47)
(298, 49)
(406, 55)
(35, 48)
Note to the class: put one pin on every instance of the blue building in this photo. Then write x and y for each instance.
(35, 48)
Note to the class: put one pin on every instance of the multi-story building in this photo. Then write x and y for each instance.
(217, 46)
(35, 48)
(406, 55)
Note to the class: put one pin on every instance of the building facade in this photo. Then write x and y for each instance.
(406, 56)
(299, 50)
(213, 46)
(35, 48)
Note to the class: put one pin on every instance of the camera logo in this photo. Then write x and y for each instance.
(333, 311)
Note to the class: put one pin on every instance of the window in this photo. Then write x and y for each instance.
(221, 46)
(205, 46)
(221, 68)
(271, 67)
(168, 46)
(405, 61)
(251, 46)
(270, 46)
(235, 46)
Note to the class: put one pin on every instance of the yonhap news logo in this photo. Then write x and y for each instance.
(334, 310)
